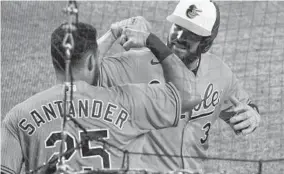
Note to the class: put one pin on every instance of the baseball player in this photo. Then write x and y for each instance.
(31, 131)
(195, 26)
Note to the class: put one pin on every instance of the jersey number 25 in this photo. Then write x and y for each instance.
(86, 151)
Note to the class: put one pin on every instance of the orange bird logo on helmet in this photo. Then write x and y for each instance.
(192, 11)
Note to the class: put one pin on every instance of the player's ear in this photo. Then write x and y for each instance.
(90, 62)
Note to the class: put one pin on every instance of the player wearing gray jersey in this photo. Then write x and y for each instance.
(31, 131)
(195, 26)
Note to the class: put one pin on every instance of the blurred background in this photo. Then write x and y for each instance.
(250, 41)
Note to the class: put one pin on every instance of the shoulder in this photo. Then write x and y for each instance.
(133, 54)
(215, 61)
(13, 117)
(128, 89)
(45, 95)
(24, 107)
(215, 64)
(138, 52)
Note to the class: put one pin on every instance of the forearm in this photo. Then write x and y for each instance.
(175, 72)
(105, 43)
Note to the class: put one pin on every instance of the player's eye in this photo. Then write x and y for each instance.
(194, 36)
(177, 27)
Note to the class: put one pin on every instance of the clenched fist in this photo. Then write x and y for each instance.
(132, 38)
(136, 23)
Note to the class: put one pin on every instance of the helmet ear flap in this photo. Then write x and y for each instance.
(207, 42)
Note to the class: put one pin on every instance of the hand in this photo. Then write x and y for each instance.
(137, 23)
(64, 169)
(131, 38)
(246, 119)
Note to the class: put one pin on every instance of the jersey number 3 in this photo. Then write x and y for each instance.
(206, 129)
(86, 151)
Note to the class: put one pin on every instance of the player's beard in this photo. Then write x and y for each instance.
(185, 55)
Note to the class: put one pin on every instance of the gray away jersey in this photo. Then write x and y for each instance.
(118, 115)
(215, 83)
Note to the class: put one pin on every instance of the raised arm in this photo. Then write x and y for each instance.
(105, 43)
(174, 69)
(108, 39)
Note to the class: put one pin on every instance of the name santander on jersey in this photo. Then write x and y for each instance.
(93, 109)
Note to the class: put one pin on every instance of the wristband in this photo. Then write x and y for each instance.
(158, 48)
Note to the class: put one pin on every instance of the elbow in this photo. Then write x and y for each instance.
(189, 101)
